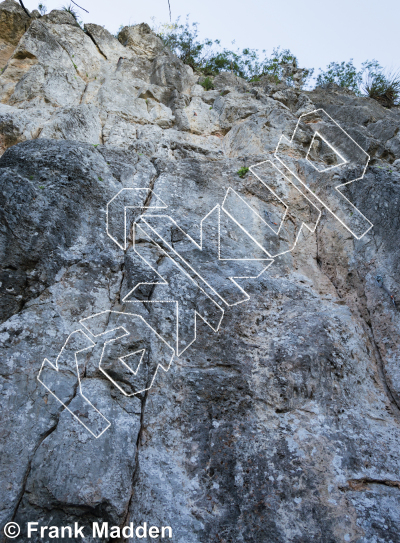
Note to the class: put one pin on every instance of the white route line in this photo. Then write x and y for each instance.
(164, 282)
(159, 204)
(200, 247)
(230, 189)
(344, 161)
(55, 367)
(136, 192)
(282, 138)
(126, 333)
(312, 230)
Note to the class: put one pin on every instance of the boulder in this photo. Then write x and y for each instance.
(40, 68)
(13, 24)
(59, 17)
(170, 71)
(229, 79)
(107, 44)
(200, 118)
(234, 106)
(17, 125)
(85, 57)
(78, 123)
(160, 114)
(118, 132)
(141, 40)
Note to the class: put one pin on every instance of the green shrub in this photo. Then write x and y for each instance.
(344, 74)
(207, 84)
(370, 80)
(242, 172)
(384, 88)
(42, 9)
(209, 58)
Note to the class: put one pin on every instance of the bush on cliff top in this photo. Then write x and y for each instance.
(384, 88)
(209, 58)
(371, 80)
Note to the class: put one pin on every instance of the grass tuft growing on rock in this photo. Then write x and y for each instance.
(384, 88)
(371, 80)
(242, 172)
(207, 84)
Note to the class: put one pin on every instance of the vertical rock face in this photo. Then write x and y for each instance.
(13, 24)
(225, 355)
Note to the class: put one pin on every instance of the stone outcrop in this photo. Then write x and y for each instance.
(141, 40)
(13, 24)
(279, 423)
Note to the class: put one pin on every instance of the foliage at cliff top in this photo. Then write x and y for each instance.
(208, 57)
(371, 80)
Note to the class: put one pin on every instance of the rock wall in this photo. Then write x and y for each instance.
(279, 418)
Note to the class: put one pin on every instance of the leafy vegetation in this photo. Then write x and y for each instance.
(345, 74)
(242, 172)
(371, 80)
(42, 9)
(207, 84)
(70, 9)
(384, 88)
(209, 58)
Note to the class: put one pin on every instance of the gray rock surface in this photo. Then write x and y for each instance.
(108, 45)
(59, 17)
(141, 40)
(278, 420)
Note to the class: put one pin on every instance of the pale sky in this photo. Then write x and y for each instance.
(316, 31)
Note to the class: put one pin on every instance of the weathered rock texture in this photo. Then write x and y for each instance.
(283, 426)
(13, 24)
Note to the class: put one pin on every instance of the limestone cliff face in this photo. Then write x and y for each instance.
(279, 418)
